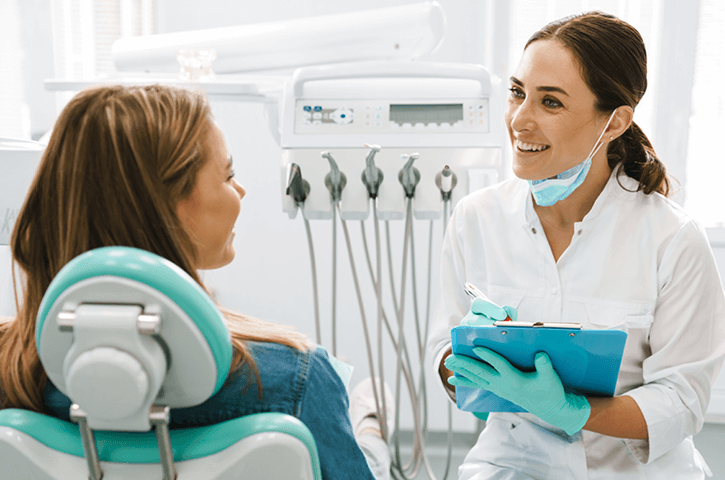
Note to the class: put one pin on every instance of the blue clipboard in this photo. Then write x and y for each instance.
(587, 361)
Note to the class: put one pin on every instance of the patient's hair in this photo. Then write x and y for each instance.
(118, 162)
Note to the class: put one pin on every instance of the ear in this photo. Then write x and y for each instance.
(620, 123)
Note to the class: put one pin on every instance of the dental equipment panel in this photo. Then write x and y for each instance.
(385, 140)
(445, 113)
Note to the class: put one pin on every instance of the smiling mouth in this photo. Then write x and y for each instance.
(530, 147)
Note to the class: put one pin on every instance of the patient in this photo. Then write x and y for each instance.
(147, 167)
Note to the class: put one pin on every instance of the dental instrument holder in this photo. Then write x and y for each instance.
(372, 176)
(409, 176)
(446, 181)
(297, 187)
(335, 181)
(445, 112)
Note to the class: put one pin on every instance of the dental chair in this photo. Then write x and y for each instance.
(127, 335)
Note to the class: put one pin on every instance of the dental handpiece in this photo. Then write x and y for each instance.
(372, 176)
(335, 181)
(409, 176)
(446, 179)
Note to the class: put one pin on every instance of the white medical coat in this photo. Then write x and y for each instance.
(636, 263)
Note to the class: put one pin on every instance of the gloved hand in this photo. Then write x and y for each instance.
(485, 313)
(540, 392)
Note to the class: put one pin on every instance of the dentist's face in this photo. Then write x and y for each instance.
(211, 210)
(550, 114)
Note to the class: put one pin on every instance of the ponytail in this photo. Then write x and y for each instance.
(636, 157)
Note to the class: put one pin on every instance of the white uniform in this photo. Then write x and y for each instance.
(636, 263)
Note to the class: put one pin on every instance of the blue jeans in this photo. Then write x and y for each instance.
(301, 384)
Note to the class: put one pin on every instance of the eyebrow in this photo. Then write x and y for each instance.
(541, 89)
(231, 162)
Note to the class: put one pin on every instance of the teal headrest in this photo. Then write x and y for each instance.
(157, 273)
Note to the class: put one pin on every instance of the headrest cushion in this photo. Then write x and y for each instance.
(157, 273)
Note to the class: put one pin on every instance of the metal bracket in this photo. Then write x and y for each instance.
(159, 418)
(89, 442)
(147, 324)
(65, 321)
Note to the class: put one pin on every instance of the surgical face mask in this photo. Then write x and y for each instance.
(550, 190)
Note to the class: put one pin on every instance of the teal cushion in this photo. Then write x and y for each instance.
(158, 273)
(141, 447)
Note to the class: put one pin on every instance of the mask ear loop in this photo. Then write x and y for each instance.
(596, 147)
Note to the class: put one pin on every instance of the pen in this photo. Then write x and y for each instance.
(474, 292)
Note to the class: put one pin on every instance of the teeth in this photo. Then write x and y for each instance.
(530, 147)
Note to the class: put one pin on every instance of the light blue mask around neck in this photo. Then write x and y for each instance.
(550, 190)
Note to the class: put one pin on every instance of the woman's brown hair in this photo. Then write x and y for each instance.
(613, 62)
(118, 162)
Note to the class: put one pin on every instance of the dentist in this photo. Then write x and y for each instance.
(584, 234)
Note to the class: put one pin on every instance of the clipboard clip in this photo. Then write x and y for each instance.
(570, 326)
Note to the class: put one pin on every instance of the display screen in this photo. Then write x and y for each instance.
(417, 113)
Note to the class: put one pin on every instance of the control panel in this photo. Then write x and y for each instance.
(380, 116)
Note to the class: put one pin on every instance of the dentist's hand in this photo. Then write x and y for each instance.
(539, 392)
(485, 313)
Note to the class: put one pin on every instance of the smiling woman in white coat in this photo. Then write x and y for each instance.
(585, 233)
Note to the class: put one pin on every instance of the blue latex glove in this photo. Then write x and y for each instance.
(540, 392)
(485, 313)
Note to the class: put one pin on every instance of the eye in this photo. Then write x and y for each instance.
(516, 92)
(550, 102)
(231, 175)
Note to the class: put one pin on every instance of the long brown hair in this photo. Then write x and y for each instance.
(613, 62)
(118, 162)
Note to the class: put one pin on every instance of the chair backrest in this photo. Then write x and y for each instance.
(126, 335)
(120, 329)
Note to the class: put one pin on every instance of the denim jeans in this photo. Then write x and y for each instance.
(301, 384)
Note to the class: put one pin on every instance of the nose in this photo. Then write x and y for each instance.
(520, 116)
(240, 189)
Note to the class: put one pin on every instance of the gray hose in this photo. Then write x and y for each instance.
(318, 331)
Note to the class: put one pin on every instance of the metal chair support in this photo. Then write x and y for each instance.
(89, 443)
(159, 418)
